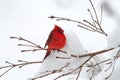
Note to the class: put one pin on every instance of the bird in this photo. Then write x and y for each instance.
(55, 41)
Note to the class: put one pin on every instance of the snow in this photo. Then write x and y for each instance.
(73, 46)
(29, 19)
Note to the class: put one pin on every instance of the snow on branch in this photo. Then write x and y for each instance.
(94, 26)
(36, 47)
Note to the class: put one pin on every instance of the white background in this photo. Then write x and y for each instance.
(29, 19)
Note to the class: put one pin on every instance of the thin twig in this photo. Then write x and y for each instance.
(92, 19)
(93, 53)
(20, 38)
(74, 69)
(27, 45)
(92, 66)
(52, 72)
(6, 71)
(91, 27)
(36, 47)
(62, 57)
(92, 73)
(101, 15)
(32, 50)
(113, 64)
(67, 19)
(94, 10)
(111, 72)
(86, 28)
(78, 74)
(11, 66)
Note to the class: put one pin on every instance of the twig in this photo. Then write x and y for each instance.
(94, 53)
(59, 70)
(16, 65)
(97, 20)
(92, 20)
(52, 72)
(32, 44)
(111, 71)
(32, 50)
(112, 64)
(87, 28)
(101, 15)
(87, 55)
(78, 74)
(92, 73)
(91, 27)
(92, 66)
(62, 57)
(26, 45)
(67, 19)
(94, 10)
(20, 38)
(6, 71)
(74, 69)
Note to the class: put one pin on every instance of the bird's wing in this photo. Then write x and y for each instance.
(49, 39)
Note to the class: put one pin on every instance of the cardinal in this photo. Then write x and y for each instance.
(55, 41)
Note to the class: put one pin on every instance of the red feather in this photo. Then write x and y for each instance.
(56, 40)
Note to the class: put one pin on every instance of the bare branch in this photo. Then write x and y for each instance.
(93, 71)
(63, 57)
(95, 27)
(67, 19)
(78, 73)
(86, 28)
(101, 15)
(112, 64)
(61, 69)
(94, 53)
(20, 38)
(92, 19)
(74, 69)
(94, 10)
(11, 65)
(32, 44)
(52, 72)
(26, 45)
(6, 71)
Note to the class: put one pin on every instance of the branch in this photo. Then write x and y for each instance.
(79, 67)
(38, 47)
(52, 72)
(87, 25)
(78, 74)
(31, 44)
(112, 64)
(20, 38)
(89, 54)
(95, 53)
(20, 65)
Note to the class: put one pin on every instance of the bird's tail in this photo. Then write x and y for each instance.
(47, 54)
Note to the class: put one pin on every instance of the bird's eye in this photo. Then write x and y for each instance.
(60, 31)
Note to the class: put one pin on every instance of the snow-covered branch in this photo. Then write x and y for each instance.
(76, 61)
(23, 63)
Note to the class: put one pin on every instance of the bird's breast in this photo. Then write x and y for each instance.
(58, 41)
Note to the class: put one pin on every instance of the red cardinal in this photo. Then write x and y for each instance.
(56, 40)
